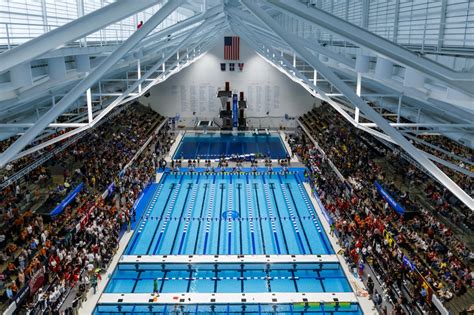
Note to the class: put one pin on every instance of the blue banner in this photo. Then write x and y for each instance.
(389, 199)
(407, 262)
(111, 189)
(234, 109)
(59, 208)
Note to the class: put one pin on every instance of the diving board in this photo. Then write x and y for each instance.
(202, 259)
(226, 298)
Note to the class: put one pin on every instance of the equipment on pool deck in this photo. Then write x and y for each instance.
(225, 113)
(242, 107)
(232, 114)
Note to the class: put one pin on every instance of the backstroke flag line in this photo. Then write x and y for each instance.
(231, 47)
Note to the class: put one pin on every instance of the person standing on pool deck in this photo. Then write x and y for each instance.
(155, 286)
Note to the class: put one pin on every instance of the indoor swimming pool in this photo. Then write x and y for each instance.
(229, 214)
(228, 243)
(212, 146)
(234, 309)
(228, 278)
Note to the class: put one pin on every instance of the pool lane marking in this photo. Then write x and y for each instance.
(221, 187)
(209, 212)
(260, 215)
(187, 218)
(149, 207)
(206, 185)
(272, 187)
(146, 215)
(290, 209)
(229, 220)
(249, 207)
(239, 187)
(313, 216)
(168, 214)
(272, 217)
(173, 191)
(230, 278)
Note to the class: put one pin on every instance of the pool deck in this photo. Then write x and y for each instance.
(226, 259)
(226, 298)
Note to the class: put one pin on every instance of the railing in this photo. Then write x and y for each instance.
(15, 34)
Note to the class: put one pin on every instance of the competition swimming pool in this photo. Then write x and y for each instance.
(213, 146)
(228, 243)
(229, 214)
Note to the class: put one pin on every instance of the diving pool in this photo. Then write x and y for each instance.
(213, 146)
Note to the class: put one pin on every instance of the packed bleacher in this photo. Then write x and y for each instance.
(413, 255)
(447, 150)
(54, 257)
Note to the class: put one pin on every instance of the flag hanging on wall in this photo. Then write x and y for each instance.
(231, 47)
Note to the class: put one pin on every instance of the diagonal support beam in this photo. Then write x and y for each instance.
(204, 45)
(312, 45)
(69, 32)
(88, 81)
(357, 101)
(459, 80)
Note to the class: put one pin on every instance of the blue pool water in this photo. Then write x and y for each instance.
(212, 146)
(188, 215)
(229, 278)
(233, 309)
(228, 214)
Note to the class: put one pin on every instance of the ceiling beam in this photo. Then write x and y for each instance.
(358, 102)
(459, 80)
(71, 31)
(88, 81)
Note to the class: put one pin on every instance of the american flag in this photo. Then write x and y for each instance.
(231, 48)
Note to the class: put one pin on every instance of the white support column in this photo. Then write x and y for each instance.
(44, 15)
(399, 108)
(383, 69)
(57, 68)
(315, 77)
(362, 64)
(163, 66)
(442, 25)
(21, 75)
(413, 79)
(80, 13)
(358, 89)
(139, 75)
(396, 21)
(89, 105)
(83, 63)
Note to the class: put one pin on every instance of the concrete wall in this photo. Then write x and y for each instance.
(194, 89)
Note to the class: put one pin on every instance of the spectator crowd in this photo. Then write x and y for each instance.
(414, 255)
(51, 258)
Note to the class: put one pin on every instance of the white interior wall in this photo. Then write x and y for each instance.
(194, 89)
